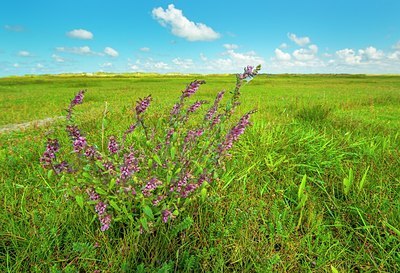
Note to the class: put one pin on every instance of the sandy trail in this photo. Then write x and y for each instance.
(31, 124)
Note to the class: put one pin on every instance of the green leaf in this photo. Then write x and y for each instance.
(157, 159)
(101, 191)
(79, 200)
(50, 174)
(112, 183)
(347, 182)
(87, 175)
(173, 152)
(115, 205)
(150, 163)
(203, 193)
(143, 221)
(148, 212)
(363, 179)
(334, 270)
(302, 187)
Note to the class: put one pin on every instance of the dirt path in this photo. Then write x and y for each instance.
(22, 126)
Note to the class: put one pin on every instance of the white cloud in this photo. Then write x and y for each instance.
(182, 26)
(39, 65)
(395, 56)
(144, 49)
(230, 46)
(301, 41)
(183, 63)
(283, 46)
(397, 46)
(80, 34)
(16, 65)
(232, 61)
(282, 56)
(24, 53)
(83, 50)
(161, 65)
(57, 58)
(349, 56)
(371, 53)
(148, 65)
(304, 54)
(111, 52)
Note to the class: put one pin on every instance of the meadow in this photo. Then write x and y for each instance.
(313, 185)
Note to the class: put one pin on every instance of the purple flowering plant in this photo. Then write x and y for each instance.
(148, 183)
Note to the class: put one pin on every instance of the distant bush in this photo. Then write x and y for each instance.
(149, 174)
(313, 113)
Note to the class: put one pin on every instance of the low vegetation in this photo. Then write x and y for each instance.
(312, 185)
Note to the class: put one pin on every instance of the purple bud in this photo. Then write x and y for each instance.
(105, 222)
(142, 105)
(113, 146)
(101, 208)
(192, 88)
(166, 214)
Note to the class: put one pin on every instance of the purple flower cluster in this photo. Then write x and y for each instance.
(142, 105)
(249, 72)
(175, 109)
(193, 134)
(166, 214)
(235, 132)
(113, 146)
(191, 187)
(130, 166)
(92, 153)
(210, 113)
(150, 186)
(93, 195)
(77, 100)
(49, 154)
(79, 141)
(192, 88)
(101, 208)
(109, 167)
(61, 167)
(105, 221)
(104, 218)
(168, 137)
(196, 106)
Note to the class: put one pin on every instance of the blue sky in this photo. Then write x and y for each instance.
(309, 36)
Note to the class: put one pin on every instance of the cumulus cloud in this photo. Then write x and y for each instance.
(83, 50)
(232, 61)
(144, 49)
(304, 54)
(371, 53)
(80, 34)
(282, 56)
(24, 53)
(301, 41)
(349, 56)
(111, 52)
(182, 26)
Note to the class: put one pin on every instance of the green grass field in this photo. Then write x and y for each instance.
(341, 131)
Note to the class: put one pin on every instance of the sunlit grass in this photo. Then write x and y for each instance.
(329, 128)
